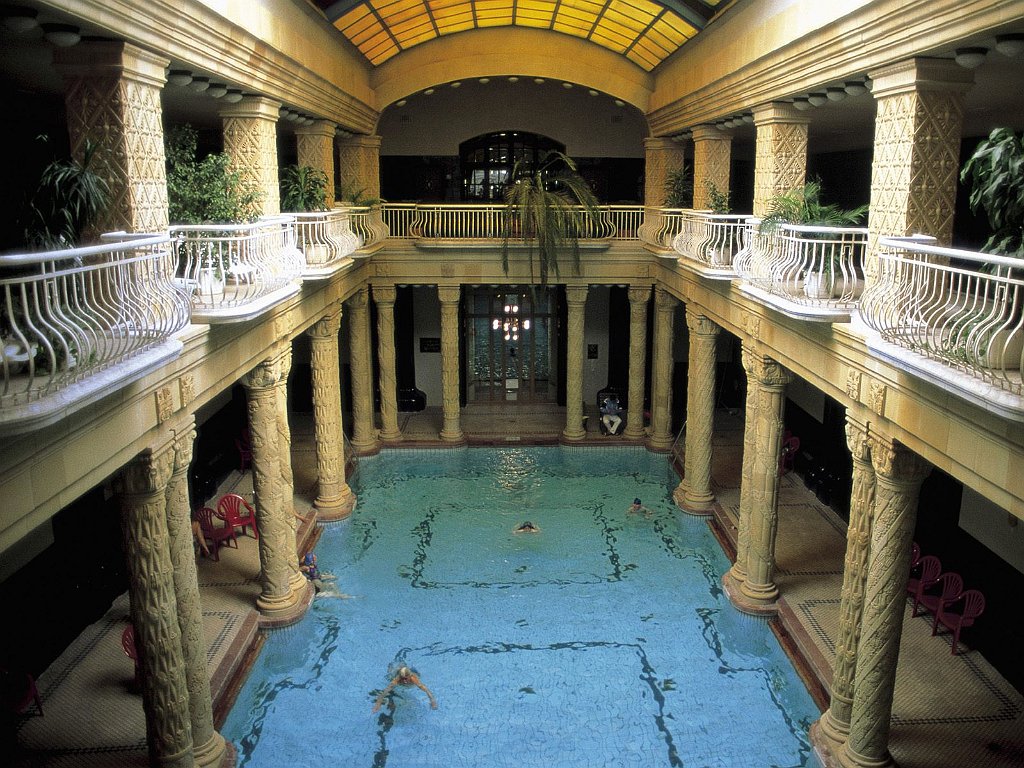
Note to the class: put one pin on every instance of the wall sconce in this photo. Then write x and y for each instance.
(1010, 45)
(539, 80)
(817, 99)
(835, 94)
(801, 103)
(483, 80)
(217, 90)
(62, 35)
(179, 77)
(970, 58)
(855, 87)
(513, 79)
(19, 19)
(233, 96)
(199, 84)
(456, 84)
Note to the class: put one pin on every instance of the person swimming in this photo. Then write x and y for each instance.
(404, 676)
(526, 527)
(637, 508)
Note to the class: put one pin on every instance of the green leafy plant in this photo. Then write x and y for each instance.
(679, 187)
(718, 201)
(208, 190)
(803, 206)
(70, 198)
(303, 188)
(356, 196)
(542, 210)
(995, 174)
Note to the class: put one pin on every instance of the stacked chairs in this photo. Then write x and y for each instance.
(933, 596)
(943, 595)
(959, 613)
(924, 575)
(217, 535)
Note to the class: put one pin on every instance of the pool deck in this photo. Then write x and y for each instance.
(948, 711)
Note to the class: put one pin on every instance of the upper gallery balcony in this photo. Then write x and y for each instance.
(77, 322)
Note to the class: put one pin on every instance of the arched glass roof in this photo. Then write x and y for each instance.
(643, 31)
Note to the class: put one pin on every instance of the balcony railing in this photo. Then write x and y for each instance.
(660, 227)
(711, 240)
(68, 315)
(235, 272)
(397, 217)
(368, 225)
(808, 272)
(444, 225)
(962, 309)
(326, 240)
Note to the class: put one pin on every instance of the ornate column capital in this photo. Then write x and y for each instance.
(701, 325)
(639, 295)
(709, 132)
(147, 473)
(326, 327)
(360, 299)
(576, 294)
(449, 294)
(265, 375)
(896, 463)
(112, 58)
(920, 74)
(767, 372)
(857, 440)
(258, 107)
(323, 128)
(384, 294)
(663, 300)
(775, 112)
(184, 438)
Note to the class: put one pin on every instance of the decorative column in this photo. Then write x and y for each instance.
(758, 589)
(780, 157)
(451, 429)
(250, 140)
(284, 444)
(638, 298)
(384, 298)
(712, 156)
(694, 491)
(112, 94)
(359, 165)
(835, 723)
(315, 148)
(661, 157)
(576, 301)
(898, 477)
(334, 500)
(142, 486)
(208, 745)
(364, 435)
(661, 438)
(279, 602)
(917, 149)
(738, 573)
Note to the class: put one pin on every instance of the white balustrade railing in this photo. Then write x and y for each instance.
(488, 222)
(69, 314)
(398, 217)
(229, 266)
(625, 220)
(961, 308)
(660, 227)
(370, 229)
(712, 239)
(325, 238)
(808, 265)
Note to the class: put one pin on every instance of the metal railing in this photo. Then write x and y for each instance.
(487, 222)
(660, 227)
(325, 238)
(804, 264)
(398, 217)
(69, 314)
(712, 239)
(368, 225)
(961, 308)
(229, 266)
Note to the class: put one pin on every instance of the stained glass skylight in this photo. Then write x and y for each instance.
(644, 31)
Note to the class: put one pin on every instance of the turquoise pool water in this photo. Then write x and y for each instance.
(603, 640)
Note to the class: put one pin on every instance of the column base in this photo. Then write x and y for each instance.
(634, 434)
(659, 443)
(757, 599)
(826, 750)
(849, 758)
(230, 757)
(331, 509)
(285, 611)
(455, 437)
(390, 437)
(835, 731)
(694, 505)
(734, 590)
(365, 447)
(211, 753)
(573, 436)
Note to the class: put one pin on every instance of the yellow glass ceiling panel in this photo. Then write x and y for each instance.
(645, 31)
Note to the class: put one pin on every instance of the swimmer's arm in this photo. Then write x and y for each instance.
(384, 694)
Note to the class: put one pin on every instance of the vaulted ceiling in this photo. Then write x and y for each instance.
(644, 31)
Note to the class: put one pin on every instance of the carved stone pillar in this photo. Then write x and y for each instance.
(359, 165)
(738, 573)
(835, 723)
(315, 148)
(898, 477)
(278, 601)
(661, 157)
(112, 94)
(250, 140)
(384, 298)
(694, 492)
(576, 301)
(334, 500)
(712, 156)
(780, 157)
(142, 486)
(364, 435)
(758, 588)
(284, 443)
(208, 745)
(451, 429)
(638, 298)
(917, 149)
(661, 438)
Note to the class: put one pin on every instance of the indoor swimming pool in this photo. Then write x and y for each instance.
(601, 639)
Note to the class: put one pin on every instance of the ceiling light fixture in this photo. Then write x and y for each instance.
(19, 19)
(401, 103)
(539, 80)
(592, 92)
(619, 103)
(179, 77)
(817, 99)
(835, 94)
(62, 35)
(217, 90)
(456, 84)
(748, 118)
(513, 79)
(1011, 44)
(199, 84)
(970, 58)
(801, 103)
(484, 80)
(855, 87)
(428, 92)
(567, 85)
(233, 96)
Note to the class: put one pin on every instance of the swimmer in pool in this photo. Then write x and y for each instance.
(637, 508)
(404, 676)
(526, 527)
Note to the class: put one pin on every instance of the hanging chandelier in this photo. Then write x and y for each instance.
(509, 322)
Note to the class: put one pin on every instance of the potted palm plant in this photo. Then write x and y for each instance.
(679, 187)
(545, 209)
(69, 200)
(303, 189)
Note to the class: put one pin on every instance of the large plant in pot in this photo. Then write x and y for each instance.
(545, 208)
(303, 189)
(803, 206)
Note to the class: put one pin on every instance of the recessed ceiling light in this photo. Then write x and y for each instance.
(217, 90)
(484, 80)
(835, 94)
(801, 103)
(620, 103)
(456, 84)
(428, 91)
(513, 79)
(18, 19)
(855, 87)
(538, 80)
(179, 77)
(592, 92)
(567, 85)
(401, 103)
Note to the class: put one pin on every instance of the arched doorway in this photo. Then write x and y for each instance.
(486, 161)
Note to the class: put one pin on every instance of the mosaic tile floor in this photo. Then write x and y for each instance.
(948, 711)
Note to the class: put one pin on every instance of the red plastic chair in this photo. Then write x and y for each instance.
(915, 555)
(947, 589)
(959, 613)
(790, 446)
(244, 446)
(238, 513)
(928, 571)
(17, 691)
(131, 650)
(217, 535)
